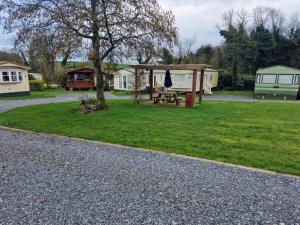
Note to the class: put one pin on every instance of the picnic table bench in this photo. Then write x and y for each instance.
(166, 97)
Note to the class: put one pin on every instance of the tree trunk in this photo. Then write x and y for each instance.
(65, 58)
(235, 75)
(100, 103)
(24, 58)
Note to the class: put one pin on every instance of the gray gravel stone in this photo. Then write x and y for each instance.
(11, 104)
(56, 180)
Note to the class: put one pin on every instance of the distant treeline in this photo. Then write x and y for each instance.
(252, 39)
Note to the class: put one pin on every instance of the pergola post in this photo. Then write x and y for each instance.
(151, 84)
(136, 86)
(194, 87)
(201, 86)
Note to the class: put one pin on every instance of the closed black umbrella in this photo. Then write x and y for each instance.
(168, 79)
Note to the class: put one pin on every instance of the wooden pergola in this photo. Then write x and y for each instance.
(193, 67)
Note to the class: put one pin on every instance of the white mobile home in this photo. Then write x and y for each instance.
(181, 79)
(13, 79)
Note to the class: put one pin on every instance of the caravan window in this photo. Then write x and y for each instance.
(5, 77)
(258, 79)
(285, 79)
(81, 76)
(269, 79)
(13, 76)
(20, 76)
(297, 80)
(179, 78)
(190, 78)
(124, 82)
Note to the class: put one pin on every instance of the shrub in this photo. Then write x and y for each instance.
(240, 85)
(248, 81)
(91, 101)
(36, 85)
(225, 79)
(31, 77)
(62, 81)
(61, 78)
(245, 82)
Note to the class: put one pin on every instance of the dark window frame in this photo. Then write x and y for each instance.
(258, 78)
(5, 75)
(20, 75)
(14, 76)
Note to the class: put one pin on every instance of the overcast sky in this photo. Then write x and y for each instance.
(200, 17)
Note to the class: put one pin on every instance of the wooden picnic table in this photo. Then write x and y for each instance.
(166, 97)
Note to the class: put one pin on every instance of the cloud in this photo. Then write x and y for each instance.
(201, 17)
(6, 41)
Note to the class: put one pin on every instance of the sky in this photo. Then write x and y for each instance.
(200, 18)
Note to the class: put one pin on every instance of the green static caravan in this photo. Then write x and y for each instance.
(279, 82)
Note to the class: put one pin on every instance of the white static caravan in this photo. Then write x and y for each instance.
(181, 79)
(14, 79)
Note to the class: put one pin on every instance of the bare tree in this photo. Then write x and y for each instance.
(293, 25)
(144, 52)
(277, 18)
(42, 48)
(228, 19)
(184, 49)
(242, 18)
(260, 16)
(107, 24)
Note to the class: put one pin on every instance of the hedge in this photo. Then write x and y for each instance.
(245, 82)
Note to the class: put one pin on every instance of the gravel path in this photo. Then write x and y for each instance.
(232, 98)
(11, 104)
(216, 97)
(56, 180)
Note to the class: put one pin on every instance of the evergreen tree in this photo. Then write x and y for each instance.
(295, 49)
(167, 57)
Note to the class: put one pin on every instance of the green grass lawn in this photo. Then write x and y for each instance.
(262, 135)
(234, 93)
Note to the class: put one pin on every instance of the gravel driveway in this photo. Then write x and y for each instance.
(56, 180)
(11, 104)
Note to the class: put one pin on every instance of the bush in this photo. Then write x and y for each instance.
(61, 78)
(248, 81)
(240, 85)
(91, 101)
(31, 77)
(62, 81)
(225, 79)
(36, 85)
(245, 82)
